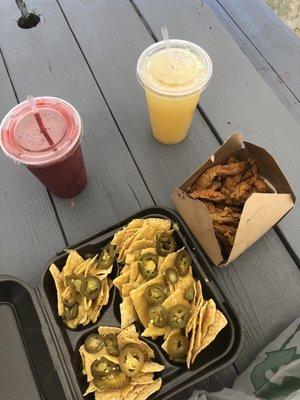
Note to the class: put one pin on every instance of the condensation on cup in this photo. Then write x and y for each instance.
(52, 153)
(173, 73)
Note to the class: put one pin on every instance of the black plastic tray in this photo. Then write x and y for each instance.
(52, 348)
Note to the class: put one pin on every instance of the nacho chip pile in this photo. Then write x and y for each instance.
(114, 377)
(79, 277)
(158, 289)
(137, 238)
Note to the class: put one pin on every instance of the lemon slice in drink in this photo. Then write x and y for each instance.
(174, 67)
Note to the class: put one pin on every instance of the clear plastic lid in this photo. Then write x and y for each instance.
(177, 70)
(22, 140)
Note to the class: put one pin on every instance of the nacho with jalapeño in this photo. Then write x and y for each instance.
(82, 286)
(118, 365)
(158, 289)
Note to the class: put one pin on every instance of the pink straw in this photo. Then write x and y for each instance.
(39, 120)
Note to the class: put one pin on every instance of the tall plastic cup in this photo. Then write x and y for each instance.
(59, 166)
(173, 77)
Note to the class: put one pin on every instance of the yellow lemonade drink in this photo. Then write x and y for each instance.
(173, 78)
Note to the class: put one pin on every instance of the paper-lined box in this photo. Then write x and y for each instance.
(261, 211)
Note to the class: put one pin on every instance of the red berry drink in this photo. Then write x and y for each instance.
(53, 154)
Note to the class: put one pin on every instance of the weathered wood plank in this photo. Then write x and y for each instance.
(29, 233)
(261, 65)
(164, 167)
(276, 42)
(237, 99)
(264, 286)
(47, 61)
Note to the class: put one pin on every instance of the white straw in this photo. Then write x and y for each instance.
(164, 31)
(32, 103)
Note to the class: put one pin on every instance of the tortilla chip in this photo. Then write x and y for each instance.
(81, 267)
(209, 317)
(89, 359)
(91, 388)
(101, 273)
(167, 262)
(81, 317)
(136, 389)
(193, 322)
(154, 332)
(105, 330)
(147, 349)
(73, 260)
(185, 282)
(192, 340)
(168, 338)
(125, 390)
(87, 303)
(125, 246)
(128, 287)
(149, 250)
(105, 290)
(113, 394)
(121, 279)
(137, 246)
(142, 379)
(219, 323)
(136, 223)
(59, 287)
(121, 256)
(130, 335)
(199, 323)
(177, 297)
(134, 271)
(197, 298)
(128, 313)
(149, 389)
(129, 258)
(90, 266)
(145, 233)
(159, 224)
(127, 333)
(112, 358)
(126, 268)
(140, 303)
(100, 301)
(137, 230)
(151, 366)
(121, 236)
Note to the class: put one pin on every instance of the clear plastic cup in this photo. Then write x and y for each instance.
(173, 77)
(60, 167)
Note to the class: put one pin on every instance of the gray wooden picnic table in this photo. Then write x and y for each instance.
(86, 52)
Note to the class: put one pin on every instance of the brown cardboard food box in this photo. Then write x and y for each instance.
(261, 211)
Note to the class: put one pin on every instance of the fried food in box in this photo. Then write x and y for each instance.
(224, 190)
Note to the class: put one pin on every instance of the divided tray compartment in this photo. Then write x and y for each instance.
(175, 377)
(61, 344)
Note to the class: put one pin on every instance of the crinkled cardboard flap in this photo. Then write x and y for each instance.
(198, 220)
(261, 211)
(269, 169)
